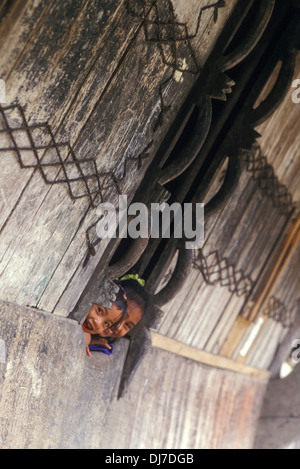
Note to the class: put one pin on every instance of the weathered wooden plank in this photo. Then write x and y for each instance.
(189, 13)
(176, 310)
(260, 245)
(244, 235)
(226, 321)
(83, 145)
(219, 410)
(268, 354)
(16, 29)
(198, 305)
(234, 337)
(229, 218)
(280, 140)
(249, 338)
(4, 8)
(187, 351)
(9, 180)
(265, 243)
(287, 285)
(48, 97)
(262, 352)
(67, 300)
(212, 309)
(197, 297)
(247, 230)
(46, 189)
(195, 321)
(286, 288)
(280, 263)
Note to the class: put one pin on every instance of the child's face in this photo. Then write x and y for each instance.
(101, 320)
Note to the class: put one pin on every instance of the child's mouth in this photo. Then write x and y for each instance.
(86, 325)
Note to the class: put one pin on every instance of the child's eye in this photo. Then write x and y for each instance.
(106, 324)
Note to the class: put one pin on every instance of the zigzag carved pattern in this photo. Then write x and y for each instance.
(279, 312)
(162, 29)
(264, 174)
(218, 270)
(57, 162)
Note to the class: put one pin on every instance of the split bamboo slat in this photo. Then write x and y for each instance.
(290, 244)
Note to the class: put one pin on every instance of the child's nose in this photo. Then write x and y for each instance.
(97, 322)
(117, 330)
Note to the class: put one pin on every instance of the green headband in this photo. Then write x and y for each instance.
(134, 277)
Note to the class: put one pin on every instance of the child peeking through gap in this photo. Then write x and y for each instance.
(103, 325)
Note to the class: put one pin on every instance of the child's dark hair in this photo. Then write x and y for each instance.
(132, 290)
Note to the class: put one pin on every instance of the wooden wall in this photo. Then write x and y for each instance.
(243, 244)
(280, 140)
(178, 403)
(237, 246)
(93, 96)
(91, 84)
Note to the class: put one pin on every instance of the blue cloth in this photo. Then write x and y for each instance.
(100, 348)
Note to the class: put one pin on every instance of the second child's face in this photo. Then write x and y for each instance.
(101, 320)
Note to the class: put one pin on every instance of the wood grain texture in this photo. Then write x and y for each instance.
(179, 348)
(280, 140)
(234, 337)
(178, 403)
(112, 58)
(278, 311)
(244, 233)
(290, 245)
(264, 348)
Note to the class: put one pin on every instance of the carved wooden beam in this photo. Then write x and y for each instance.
(164, 173)
(212, 83)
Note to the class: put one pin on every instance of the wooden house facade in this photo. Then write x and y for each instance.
(164, 101)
